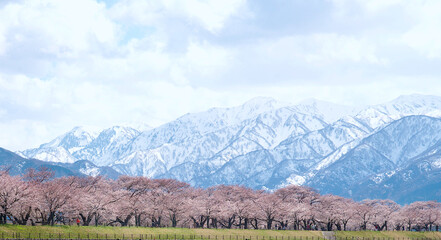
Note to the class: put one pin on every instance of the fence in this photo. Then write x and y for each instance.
(95, 236)
(88, 236)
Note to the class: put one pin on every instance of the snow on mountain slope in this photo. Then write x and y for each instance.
(79, 144)
(319, 143)
(249, 170)
(406, 138)
(198, 124)
(214, 149)
(292, 158)
(108, 146)
(265, 144)
(420, 180)
(61, 148)
(390, 148)
(379, 115)
(329, 112)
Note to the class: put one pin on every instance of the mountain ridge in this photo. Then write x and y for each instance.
(261, 144)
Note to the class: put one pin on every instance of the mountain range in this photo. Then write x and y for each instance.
(391, 150)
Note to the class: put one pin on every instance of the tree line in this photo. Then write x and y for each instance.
(39, 199)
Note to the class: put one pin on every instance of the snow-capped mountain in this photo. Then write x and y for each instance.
(61, 148)
(107, 146)
(101, 148)
(17, 165)
(266, 144)
(390, 149)
(379, 115)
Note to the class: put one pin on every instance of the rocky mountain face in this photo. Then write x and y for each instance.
(369, 152)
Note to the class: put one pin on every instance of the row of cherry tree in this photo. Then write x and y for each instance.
(37, 198)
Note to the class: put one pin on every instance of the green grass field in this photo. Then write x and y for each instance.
(387, 235)
(74, 232)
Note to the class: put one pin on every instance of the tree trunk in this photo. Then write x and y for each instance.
(173, 220)
(125, 221)
(86, 219)
(269, 223)
(254, 223)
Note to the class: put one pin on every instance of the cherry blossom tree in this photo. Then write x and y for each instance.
(38, 198)
(175, 196)
(298, 202)
(269, 208)
(382, 213)
(329, 211)
(51, 197)
(409, 215)
(198, 209)
(14, 193)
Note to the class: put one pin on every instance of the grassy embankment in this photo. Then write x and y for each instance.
(74, 232)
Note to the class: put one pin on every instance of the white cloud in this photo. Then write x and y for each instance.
(420, 21)
(210, 14)
(31, 106)
(63, 28)
(425, 34)
(65, 63)
(325, 48)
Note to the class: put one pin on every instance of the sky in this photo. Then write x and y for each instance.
(101, 63)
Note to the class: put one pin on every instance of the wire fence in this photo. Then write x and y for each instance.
(96, 236)
(89, 236)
